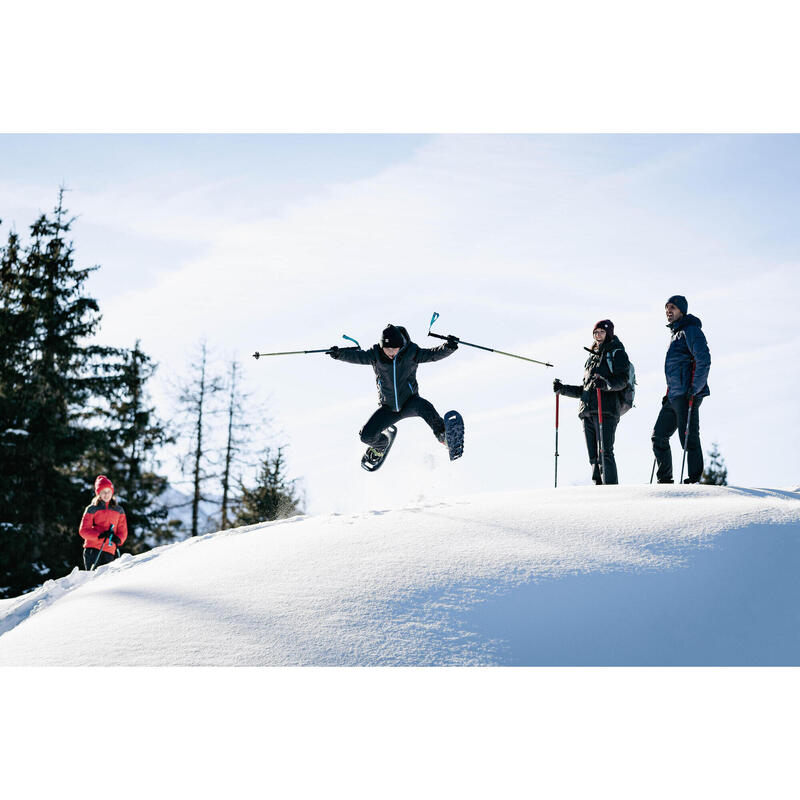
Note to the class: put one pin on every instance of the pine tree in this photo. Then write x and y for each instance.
(16, 332)
(196, 400)
(715, 473)
(50, 380)
(273, 496)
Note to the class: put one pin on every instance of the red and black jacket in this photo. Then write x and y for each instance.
(97, 519)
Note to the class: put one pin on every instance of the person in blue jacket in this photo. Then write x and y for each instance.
(686, 368)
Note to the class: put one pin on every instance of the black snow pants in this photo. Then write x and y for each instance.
(591, 430)
(671, 418)
(371, 434)
(90, 554)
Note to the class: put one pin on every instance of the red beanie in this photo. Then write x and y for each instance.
(102, 483)
(606, 325)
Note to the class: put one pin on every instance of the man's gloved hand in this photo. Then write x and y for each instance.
(334, 352)
(452, 343)
(599, 382)
(557, 385)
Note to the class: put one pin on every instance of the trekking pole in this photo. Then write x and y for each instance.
(686, 434)
(258, 355)
(558, 394)
(688, 420)
(653, 471)
(100, 551)
(600, 441)
(480, 346)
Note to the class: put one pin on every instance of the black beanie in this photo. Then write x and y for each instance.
(680, 302)
(605, 325)
(391, 337)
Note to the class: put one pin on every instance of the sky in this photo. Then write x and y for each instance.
(520, 242)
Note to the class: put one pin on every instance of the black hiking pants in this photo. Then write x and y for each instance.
(591, 430)
(371, 434)
(671, 418)
(90, 554)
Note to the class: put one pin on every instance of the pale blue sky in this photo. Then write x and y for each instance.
(520, 242)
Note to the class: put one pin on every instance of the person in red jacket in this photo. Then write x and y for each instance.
(103, 525)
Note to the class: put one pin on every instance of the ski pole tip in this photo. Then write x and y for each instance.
(256, 355)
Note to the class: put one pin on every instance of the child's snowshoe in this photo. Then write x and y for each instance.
(454, 434)
(374, 458)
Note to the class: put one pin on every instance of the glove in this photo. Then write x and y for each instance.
(109, 534)
(334, 352)
(557, 385)
(599, 382)
(452, 343)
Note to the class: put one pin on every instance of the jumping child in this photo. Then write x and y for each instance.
(395, 362)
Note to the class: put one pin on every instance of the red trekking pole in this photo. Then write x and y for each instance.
(600, 441)
(558, 394)
(688, 420)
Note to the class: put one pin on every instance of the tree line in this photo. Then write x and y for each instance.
(71, 409)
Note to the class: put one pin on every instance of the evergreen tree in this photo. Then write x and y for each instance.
(16, 332)
(273, 496)
(715, 473)
(52, 376)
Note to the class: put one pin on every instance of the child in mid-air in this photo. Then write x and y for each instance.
(395, 362)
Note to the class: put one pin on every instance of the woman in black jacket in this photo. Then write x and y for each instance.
(606, 369)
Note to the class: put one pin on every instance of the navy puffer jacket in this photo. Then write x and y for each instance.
(687, 347)
(396, 378)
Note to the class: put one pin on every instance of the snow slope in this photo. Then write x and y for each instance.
(620, 575)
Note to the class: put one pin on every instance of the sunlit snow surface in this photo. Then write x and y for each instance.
(618, 575)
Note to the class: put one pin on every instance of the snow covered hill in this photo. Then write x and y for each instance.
(621, 575)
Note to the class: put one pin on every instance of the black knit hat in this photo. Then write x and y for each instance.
(679, 301)
(605, 324)
(391, 337)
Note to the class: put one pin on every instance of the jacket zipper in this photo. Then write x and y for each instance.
(394, 382)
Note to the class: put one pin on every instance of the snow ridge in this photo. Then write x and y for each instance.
(579, 575)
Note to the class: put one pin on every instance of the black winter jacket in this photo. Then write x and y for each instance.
(612, 363)
(396, 378)
(687, 347)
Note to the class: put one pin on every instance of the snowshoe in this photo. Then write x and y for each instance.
(373, 459)
(454, 434)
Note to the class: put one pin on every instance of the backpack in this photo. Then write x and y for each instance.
(627, 395)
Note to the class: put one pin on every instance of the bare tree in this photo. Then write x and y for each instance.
(196, 400)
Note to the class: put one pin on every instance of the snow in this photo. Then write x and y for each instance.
(618, 575)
